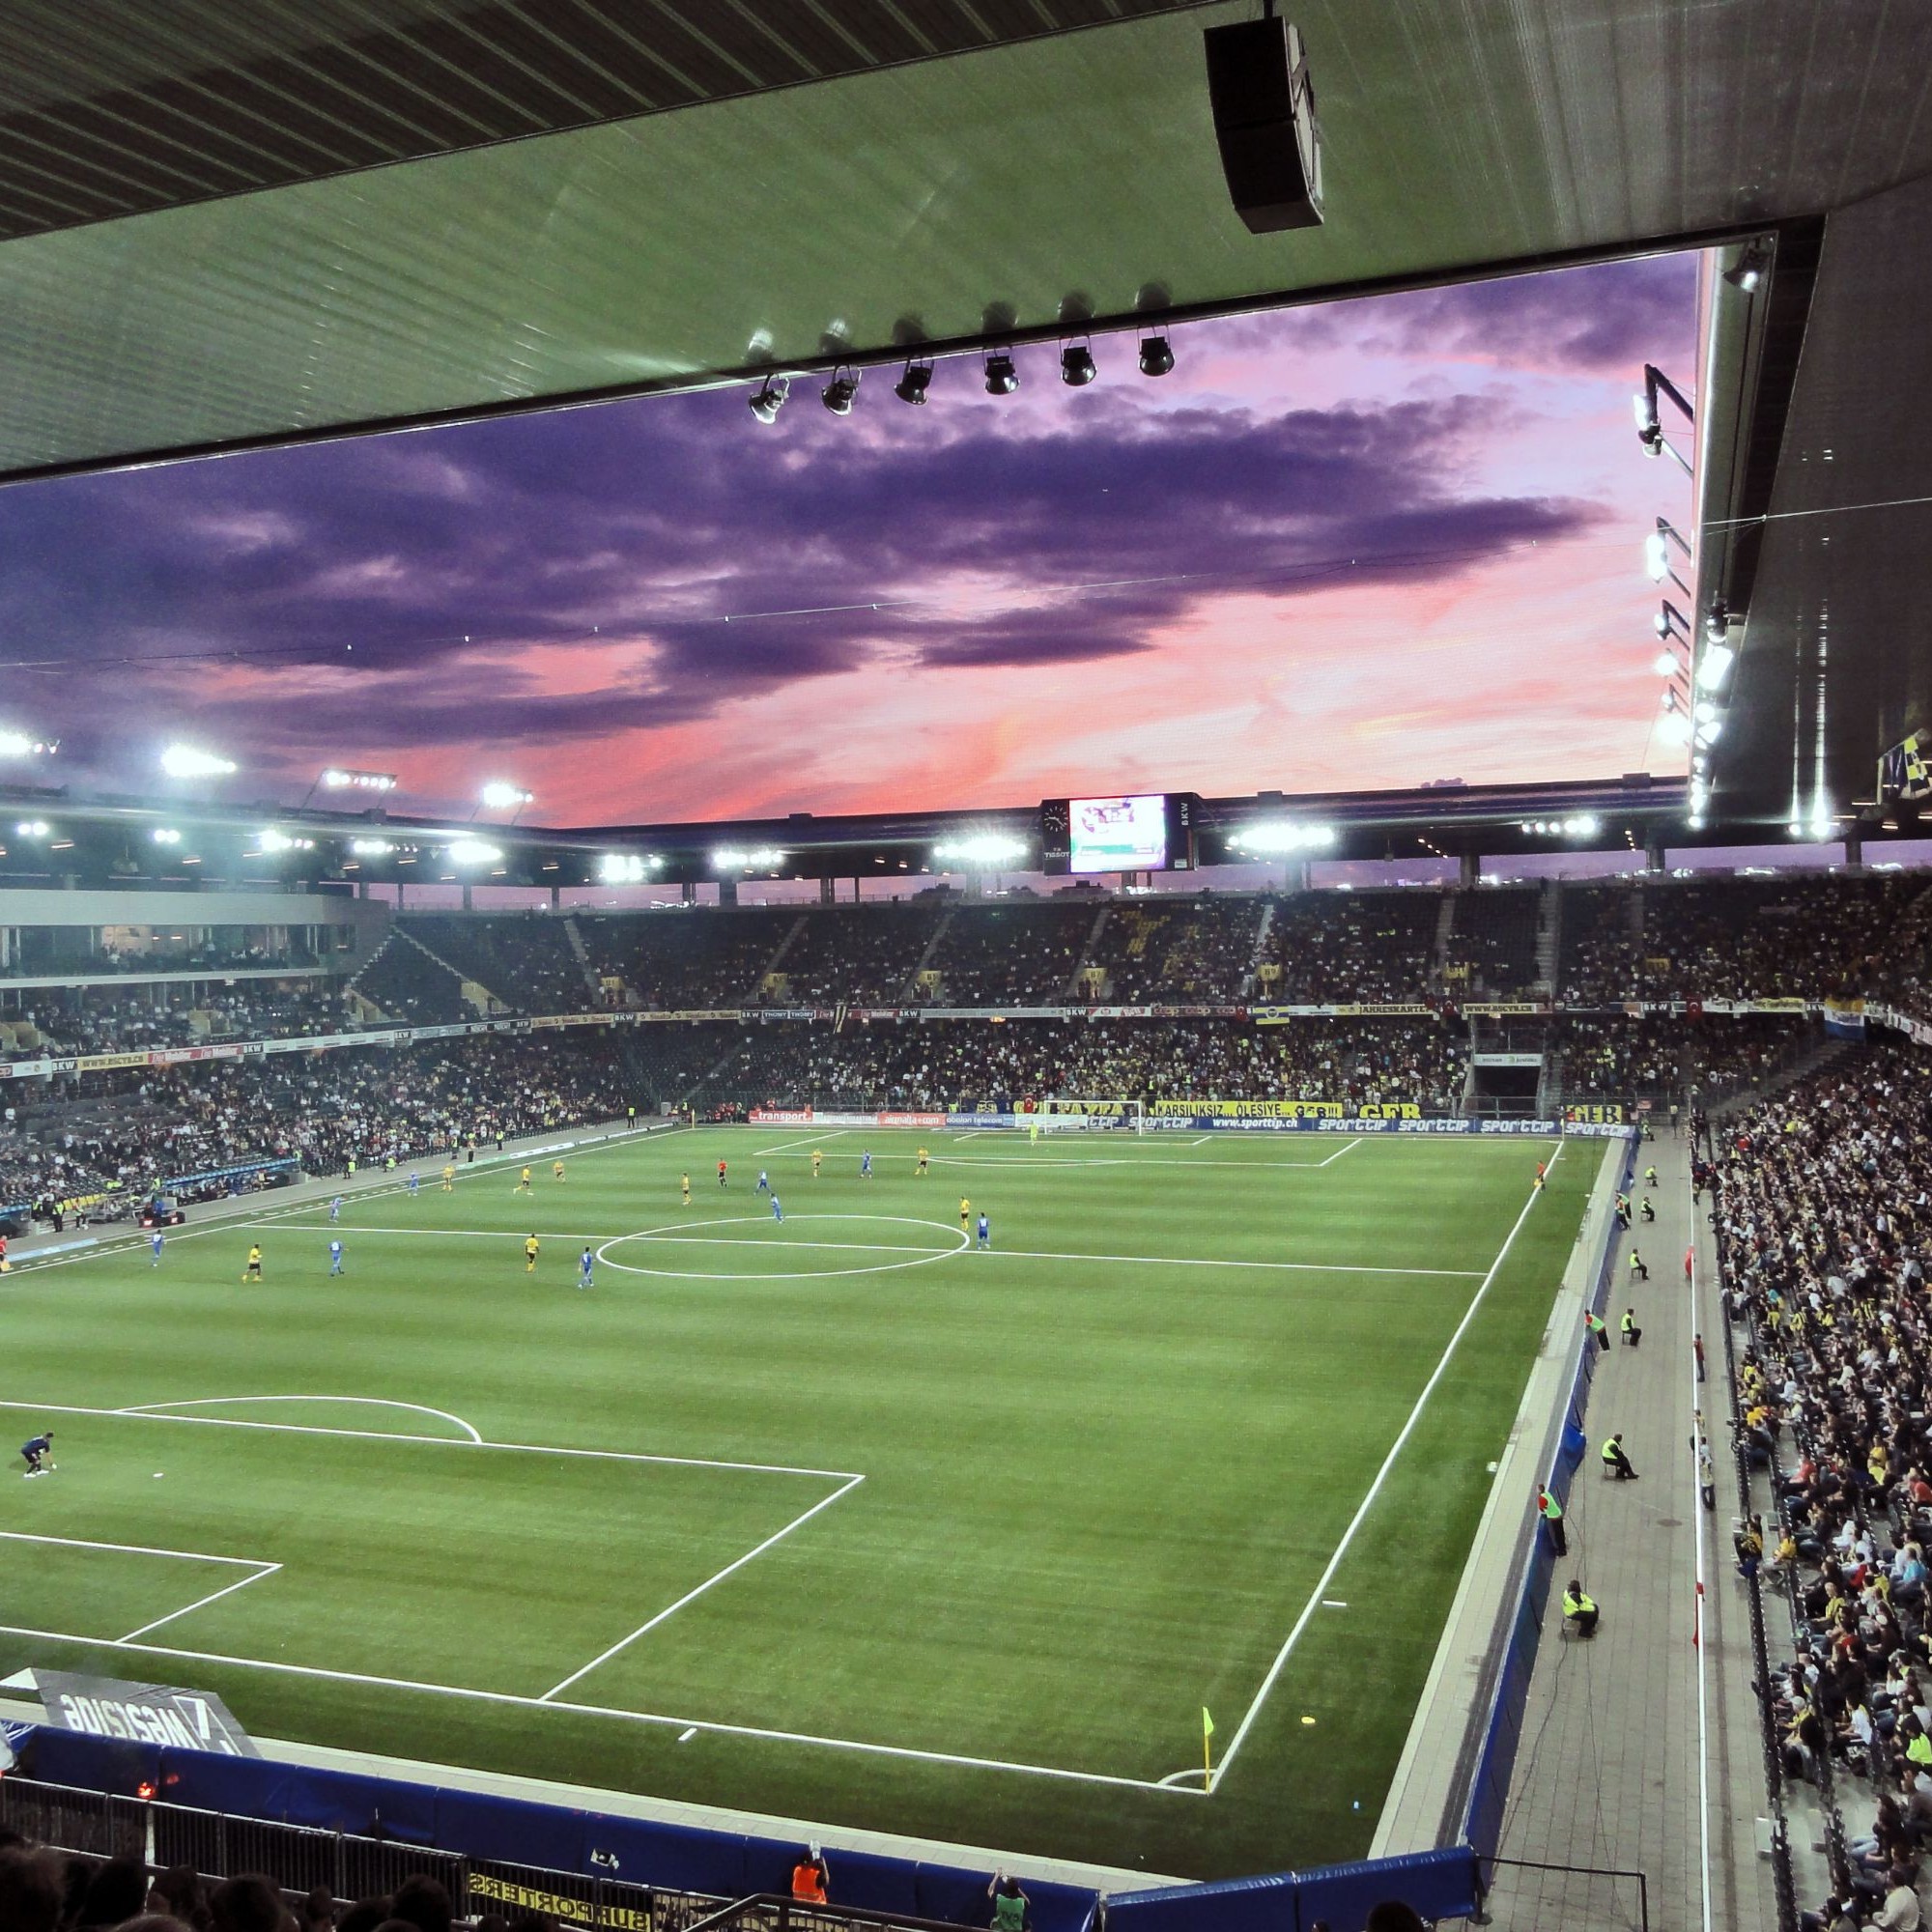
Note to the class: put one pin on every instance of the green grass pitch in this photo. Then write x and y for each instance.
(914, 1537)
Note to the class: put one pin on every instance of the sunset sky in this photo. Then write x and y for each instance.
(1358, 546)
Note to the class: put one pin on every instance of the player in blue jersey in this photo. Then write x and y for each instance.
(336, 1257)
(764, 1185)
(865, 1165)
(585, 1261)
(335, 1209)
(154, 1246)
(985, 1232)
(39, 1453)
(415, 1182)
(778, 1213)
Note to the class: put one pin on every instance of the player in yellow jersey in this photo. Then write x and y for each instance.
(684, 1182)
(449, 1176)
(556, 1169)
(817, 1161)
(253, 1271)
(965, 1213)
(920, 1167)
(530, 1256)
(523, 1185)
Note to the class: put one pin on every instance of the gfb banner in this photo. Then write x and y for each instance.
(1252, 1110)
(151, 1714)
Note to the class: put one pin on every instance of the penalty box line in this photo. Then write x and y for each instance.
(257, 1568)
(1327, 1577)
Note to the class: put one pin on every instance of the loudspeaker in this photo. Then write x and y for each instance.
(1264, 123)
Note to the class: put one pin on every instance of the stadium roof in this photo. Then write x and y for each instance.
(235, 224)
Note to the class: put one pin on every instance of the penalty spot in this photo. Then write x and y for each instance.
(685, 1737)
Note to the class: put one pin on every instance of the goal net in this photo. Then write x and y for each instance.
(1091, 1115)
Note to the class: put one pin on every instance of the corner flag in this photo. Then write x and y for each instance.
(1207, 1749)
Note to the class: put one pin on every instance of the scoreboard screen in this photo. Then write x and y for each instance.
(1136, 832)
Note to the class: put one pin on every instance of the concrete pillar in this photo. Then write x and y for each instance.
(1653, 852)
(468, 905)
(828, 890)
(1855, 844)
(556, 898)
(727, 891)
(361, 889)
(399, 884)
(1471, 868)
(690, 892)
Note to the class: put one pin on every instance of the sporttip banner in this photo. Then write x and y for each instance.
(149, 1713)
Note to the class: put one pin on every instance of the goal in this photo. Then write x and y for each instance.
(1088, 1116)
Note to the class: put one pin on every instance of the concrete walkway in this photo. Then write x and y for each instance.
(1610, 1773)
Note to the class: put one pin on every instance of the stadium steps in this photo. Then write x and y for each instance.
(910, 990)
(1813, 1059)
(1445, 931)
(1087, 952)
(793, 933)
(1261, 950)
(1549, 933)
(400, 931)
(581, 954)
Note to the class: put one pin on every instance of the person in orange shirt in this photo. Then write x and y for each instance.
(811, 1876)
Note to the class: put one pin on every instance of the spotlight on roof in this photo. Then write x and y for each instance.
(911, 387)
(1156, 356)
(981, 848)
(473, 852)
(837, 394)
(17, 745)
(339, 778)
(1714, 666)
(1747, 272)
(1076, 365)
(274, 840)
(1274, 837)
(758, 859)
(1665, 665)
(500, 795)
(1001, 377)
(627, 869)
(165, 834)
(185, 762)
(372, 848)
(770, 399)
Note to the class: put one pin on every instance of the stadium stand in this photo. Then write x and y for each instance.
(1179, 949)
(1492, 946)
(523, 960)
(863, 954)
(1374, 947)
(677, 960)
(1018, 953)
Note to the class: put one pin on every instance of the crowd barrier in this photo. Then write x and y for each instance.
(1482, 1825)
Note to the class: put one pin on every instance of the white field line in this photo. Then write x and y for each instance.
(1205, 1138)
(434, 1441)
(811, 1140)
(1210, 1261)
(226, 1590)
(514, 1701)
(1341, 1150)
(127, 1549)
(368, 1400)
(1375, 1490)
(691, 1596)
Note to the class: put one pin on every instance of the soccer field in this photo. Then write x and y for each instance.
(839, 1518)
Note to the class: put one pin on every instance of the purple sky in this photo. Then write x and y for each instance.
(1364, 545)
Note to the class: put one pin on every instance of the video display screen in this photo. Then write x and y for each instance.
(1119, 835)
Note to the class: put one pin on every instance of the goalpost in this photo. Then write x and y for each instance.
(1098, 1115)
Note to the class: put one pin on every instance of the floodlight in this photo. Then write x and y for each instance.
(1656, 557)
(1274, 836)
(473, 852)
(274, 840)
(1649, 429)
(371, 848)
(1156, 356)
(31, 828)
(17, 745)
(185, 762)
(759, 859)
(911, 387)
(1665, 665)
(1076, 365)
(1747, 272)
(165, 834)
(770, 399)
(340, 779)
(838, 393)
(626, 868)
(1714, 666)
(1001, 377)
(982, 848)
(1676, 729)
(500, 795)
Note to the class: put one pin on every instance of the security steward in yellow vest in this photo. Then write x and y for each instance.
(1579, 1607)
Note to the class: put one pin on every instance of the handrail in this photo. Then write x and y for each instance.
(787, 1907)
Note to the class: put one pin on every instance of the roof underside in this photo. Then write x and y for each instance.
(242, 224)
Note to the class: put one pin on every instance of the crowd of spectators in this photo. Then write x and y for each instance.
(863, 955)
(73, 951)
(1179, 949)
(94, 1019)
(1338, 948)
(403, 983)
(686, 958)
(525, 959)
(1824, 1212)
(1012, 953)
(1490, 952)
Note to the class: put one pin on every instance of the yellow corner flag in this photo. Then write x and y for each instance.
(1207, 1749)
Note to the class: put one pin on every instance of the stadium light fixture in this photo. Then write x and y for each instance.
(165, 834)
(1002, 376)
(19, 744)
(187, 762)
(758, 859)
(473, 852)
(1649, 429)
(274, 840)
(1156, 356)
(31, 828)
(372, 848)
(1670, 622)
(500, 795)
(911, 387)
(1714, 666)
(1657, 547)
(1710, 732)
(770, 399)
(1667, 665)
(1273, 838)
(1676, 728)
(627, 869)
(1077, 367)
(981, 848)
(1748, 271)
(839, 394)
(338, 778)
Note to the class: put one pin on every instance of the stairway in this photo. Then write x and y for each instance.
(1812, 1058)
(1073, 987)
(1446, 931)
(910, 990)
(772, 964)
(581, 954)
(1549, 935)
(1260, 952)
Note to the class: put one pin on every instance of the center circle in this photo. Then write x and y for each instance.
(697, 1233)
